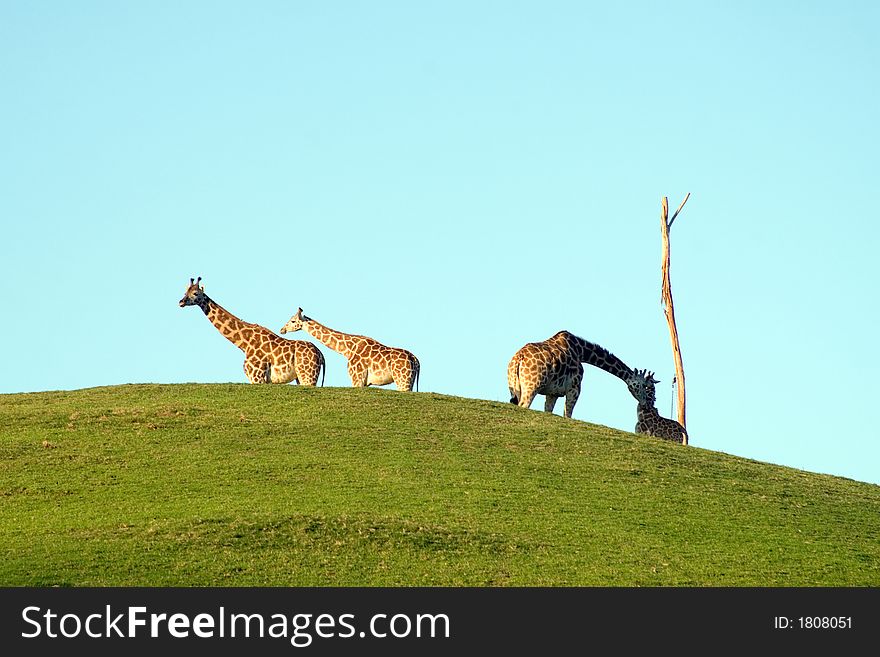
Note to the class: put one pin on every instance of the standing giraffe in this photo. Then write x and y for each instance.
(650, 422)
(369, 362)
(268, 358)
(553, 368)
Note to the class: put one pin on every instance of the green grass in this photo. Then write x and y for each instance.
(279, 485)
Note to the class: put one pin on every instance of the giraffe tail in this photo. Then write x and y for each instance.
(513, 380)
(418, 369)
(323, 369)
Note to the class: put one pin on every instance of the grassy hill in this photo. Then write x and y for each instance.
(280, 485)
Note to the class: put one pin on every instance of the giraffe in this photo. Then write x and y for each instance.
(369, 362)
(650, 422)
(553, 368)
(268, 358)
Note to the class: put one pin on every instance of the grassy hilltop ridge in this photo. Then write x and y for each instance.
(228, 484)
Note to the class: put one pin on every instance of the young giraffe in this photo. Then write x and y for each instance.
(369, 362)
(553, 368)
(268, 358)
(650, 422)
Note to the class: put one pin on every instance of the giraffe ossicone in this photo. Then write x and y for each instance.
(553, 368)
(649, 421)
(370, 363)
(268, 357)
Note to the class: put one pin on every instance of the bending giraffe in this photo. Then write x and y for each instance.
(649, 421)
(268, 358)
(553, 368)
(370, 363)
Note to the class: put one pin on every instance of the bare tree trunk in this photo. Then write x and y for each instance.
(669, 308)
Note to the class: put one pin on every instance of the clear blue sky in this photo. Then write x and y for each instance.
(457, 178)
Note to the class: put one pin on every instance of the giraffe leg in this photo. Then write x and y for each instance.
(404, 379)
(305, 377)
(311, 377)
(550, 403)
(571, 398)
(306, 368)
(527, 397)
(516, 388)
(358, 375)
(513, 379)
(257, 372)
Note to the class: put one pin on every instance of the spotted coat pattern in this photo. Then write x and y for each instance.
(553, 368)
(650, 422)
(268, 358)
(370, 363)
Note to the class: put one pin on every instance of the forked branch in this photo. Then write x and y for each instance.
(668, 307)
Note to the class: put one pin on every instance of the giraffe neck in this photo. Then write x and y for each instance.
(593, 354)
(229, 325)
(338, 341)
(646, 409)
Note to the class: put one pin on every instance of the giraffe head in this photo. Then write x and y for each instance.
(195, 295)
(642, 386)
(295, 323)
